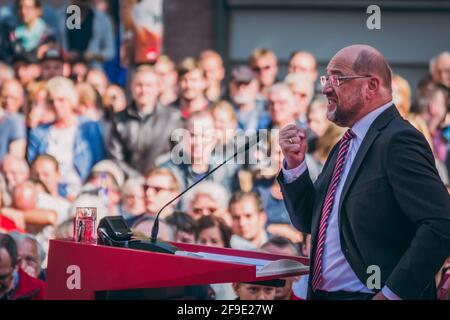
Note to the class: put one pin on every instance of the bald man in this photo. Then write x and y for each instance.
(378, 215)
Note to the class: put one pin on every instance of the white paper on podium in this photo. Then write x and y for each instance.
(264, 268)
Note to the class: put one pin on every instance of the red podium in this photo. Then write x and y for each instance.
(78, 271)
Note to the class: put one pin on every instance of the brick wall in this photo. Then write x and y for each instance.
(189, 27)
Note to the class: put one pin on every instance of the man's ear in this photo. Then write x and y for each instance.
(262, 219)
(373, 84)
(235, 286)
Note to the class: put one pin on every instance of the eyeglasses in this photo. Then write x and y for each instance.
(157, 189)
(336, 81)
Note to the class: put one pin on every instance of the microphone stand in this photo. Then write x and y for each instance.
(164, 247)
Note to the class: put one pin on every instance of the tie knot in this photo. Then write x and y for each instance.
(349, 134)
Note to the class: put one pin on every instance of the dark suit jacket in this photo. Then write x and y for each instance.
(394, 211)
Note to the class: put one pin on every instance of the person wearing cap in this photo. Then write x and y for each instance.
(250, 110)
(52, 63)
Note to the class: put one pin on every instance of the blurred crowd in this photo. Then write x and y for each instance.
(75, 132)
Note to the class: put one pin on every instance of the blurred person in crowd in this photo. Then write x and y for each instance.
(160, 187)
(268, 189)
(208, 198)
(142, 228)
(16, 170)
(32, 31)
(198, 157)
(98, 79)
(184, 225)
(211, 62)
(89, 102)
(192, 82)
(132, 201)
(142, 133)
(304, 63)
(38, 111)
(303, 89)
(114, 100)
(401, 94)
(326, 142)
(248, 220)
(30, 254)
(168, 75)
(7, 223)
(45, 168)
(249, 109)
(440, 69)
(264, 63)
(282, 107)
(283, 246)
(213, 231)
(6, 49)
(254, 291)
(225, 122)
(317, 116)
(16, 284)
(52, 64)
(26, 69)
(94, 40)
(106, 180)
(431, 102)
(79, 70)
(74, 141)
(12, 96)
(6, 72)
(12, 133)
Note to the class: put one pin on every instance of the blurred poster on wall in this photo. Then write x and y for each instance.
(143, 22)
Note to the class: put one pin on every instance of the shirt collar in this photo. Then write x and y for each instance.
(361, 127)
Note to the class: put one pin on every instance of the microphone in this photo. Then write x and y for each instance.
(168, 248)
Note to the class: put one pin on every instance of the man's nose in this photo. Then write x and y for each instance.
(327, 88)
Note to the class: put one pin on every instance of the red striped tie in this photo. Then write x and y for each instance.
(344, 145)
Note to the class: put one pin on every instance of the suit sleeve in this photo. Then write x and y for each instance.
(425, 201)
(299, 199)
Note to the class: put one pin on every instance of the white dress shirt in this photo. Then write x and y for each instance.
(336, 271)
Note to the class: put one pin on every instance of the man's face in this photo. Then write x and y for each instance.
(60, 105)
(318, 121)
(52, 68)
(344, 101)
(201, 139)
(193, 85)
(133, 199)
(46, 172)
(203, 205)
(158, 191)
(441, 72)
(14, 172)
(185, 237)
(12, 96)
(281, 107)
(167, 75)
(6, 272)
(266, 70)
(28, 11)
(303, 64)
(213, 69)
(244, 93)
(247, 291)
(28, 257)
(247, 222)
(145, 89)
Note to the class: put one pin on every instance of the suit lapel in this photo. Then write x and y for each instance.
(380, 122)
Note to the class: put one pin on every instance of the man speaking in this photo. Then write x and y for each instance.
(379, 203)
